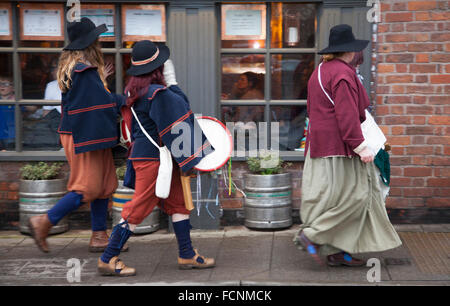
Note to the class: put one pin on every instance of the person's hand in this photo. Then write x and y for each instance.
(191, 172)
(169, 73)
(366, 155)
(108, 69)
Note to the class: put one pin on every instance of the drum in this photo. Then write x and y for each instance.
(220, 138)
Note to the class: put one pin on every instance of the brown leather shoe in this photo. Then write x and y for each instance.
(192, 263)
(344, 259)
(39, 228)
(99, 242)
(115, 267)
(311, 248)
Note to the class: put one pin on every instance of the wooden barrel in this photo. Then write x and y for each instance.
(36, 198)
(268, 201)
(123, 195)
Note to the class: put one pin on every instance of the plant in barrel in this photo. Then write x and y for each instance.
(268, 201)
(41, 187)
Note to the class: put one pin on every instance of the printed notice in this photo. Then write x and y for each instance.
(143, 22)
(4, 23)
(101, 16)
(243, 23)
(41, 22)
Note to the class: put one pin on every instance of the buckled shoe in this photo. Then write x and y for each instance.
(115, 267)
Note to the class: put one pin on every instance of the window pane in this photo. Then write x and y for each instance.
(40, 127)
(244, 124)
(290, 75)
(5, 43)
(243, 26)
(107, 44)
(126, 63)
(37, 71)
(6, 25)
(291, 120)
(243, 77)
(7, 120)
(7, 126)
(293, 25)
(102, 14)
(110, 70)
(243, 114)
(41, 44)
(255, 44)
(39, 75)
(6, 77)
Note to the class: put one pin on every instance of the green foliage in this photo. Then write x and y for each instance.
(267, 163)
(40, 171)
(120, 172)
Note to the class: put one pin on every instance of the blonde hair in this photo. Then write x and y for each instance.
(331, 56)
(92, 55)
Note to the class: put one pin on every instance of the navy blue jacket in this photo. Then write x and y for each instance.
(89, 111)
(166, 116)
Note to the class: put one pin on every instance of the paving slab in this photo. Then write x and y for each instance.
(244, 257)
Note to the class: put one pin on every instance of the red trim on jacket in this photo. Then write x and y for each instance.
(59, 126)
(156, 91)
(194, 155)
(91, 142)
(85, 68)
(182, 118)
(143, 158)
(91, 108)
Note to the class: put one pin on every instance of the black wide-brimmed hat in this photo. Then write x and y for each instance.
(342, 40)
(147, 56)
(83, 33)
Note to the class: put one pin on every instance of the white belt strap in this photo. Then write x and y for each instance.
(143, 130)
(321, 86)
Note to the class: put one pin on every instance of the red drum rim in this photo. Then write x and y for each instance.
(229, 136)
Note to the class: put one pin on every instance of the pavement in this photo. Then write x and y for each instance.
(244, 257)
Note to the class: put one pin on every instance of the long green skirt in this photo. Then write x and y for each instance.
(343, 208)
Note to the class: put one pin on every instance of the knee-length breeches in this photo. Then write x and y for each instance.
(145, 199)
(92, 173)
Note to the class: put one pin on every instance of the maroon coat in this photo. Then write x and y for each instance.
(335, 130)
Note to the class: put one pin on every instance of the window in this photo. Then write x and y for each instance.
(31, 38)
(7, 109)
(267, 56)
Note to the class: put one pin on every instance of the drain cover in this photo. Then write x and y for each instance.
(430, 251)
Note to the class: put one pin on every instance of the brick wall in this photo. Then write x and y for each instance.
(9, 195)
(413, 99)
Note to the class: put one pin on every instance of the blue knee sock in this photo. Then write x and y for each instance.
(182, 232)
(118, 238)
(99, 213)
(68, 203)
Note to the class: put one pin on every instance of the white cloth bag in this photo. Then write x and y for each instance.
(165, 165)
(371, 131)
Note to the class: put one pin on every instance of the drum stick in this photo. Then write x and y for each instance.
(187, 194)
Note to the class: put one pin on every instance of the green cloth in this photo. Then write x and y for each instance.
(343, 208)
(382, 162)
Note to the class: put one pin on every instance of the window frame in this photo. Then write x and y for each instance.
(18, 154)
(268, 52)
